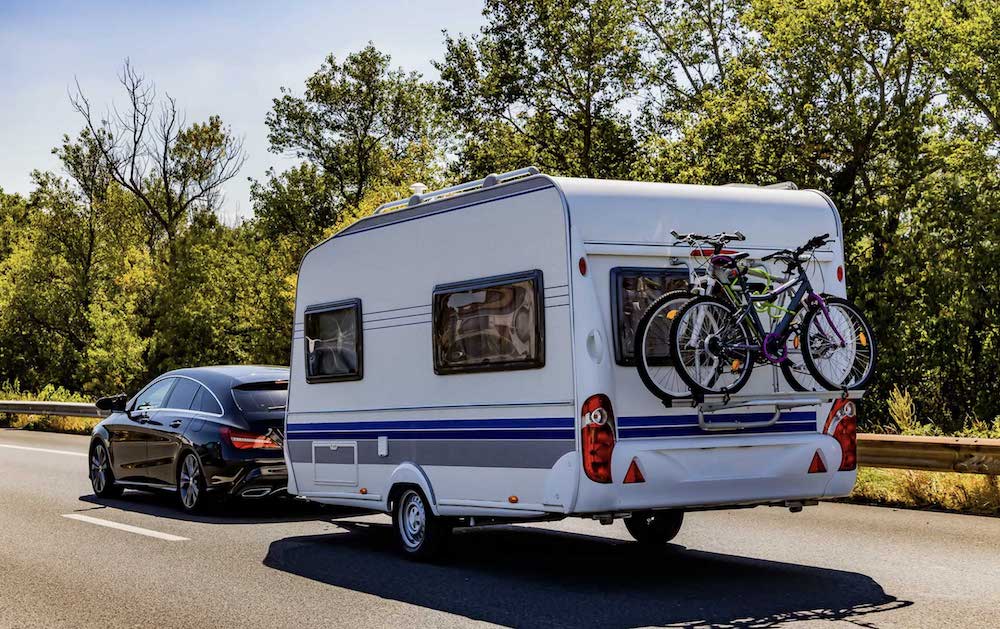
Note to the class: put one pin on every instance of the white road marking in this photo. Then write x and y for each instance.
(125, 527)
(4, 445)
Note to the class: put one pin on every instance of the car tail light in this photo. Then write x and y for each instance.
(843, 419)
(242, 440)
(597, 436)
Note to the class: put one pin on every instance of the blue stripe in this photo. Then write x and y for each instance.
(429, 424)
(494, 435)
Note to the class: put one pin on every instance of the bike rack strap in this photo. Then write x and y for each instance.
(780, 402)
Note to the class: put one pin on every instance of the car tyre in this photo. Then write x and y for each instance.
(654, 528)
(420, 534)
(102, 478)
(191, 492)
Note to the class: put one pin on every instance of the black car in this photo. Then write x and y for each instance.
(203, 433)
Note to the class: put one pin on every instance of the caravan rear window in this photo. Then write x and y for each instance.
(489, 324)
(333, 342)
(632, 290)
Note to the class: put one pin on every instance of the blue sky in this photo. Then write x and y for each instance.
(215, 58)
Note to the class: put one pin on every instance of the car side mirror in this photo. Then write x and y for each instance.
(113, 403)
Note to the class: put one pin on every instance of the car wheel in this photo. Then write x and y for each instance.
(191, 484)
(102, 479)
(654, 527)
(420, 534)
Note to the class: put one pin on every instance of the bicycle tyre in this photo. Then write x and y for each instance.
(863, 337)
(746, 356)
(793, 368)
(648, 377)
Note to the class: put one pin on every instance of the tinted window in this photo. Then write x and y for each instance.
(183, 393)
(205, 402)
(154, 395)
(633, 290)
(489, 324)
(333, 342)
(262, 400)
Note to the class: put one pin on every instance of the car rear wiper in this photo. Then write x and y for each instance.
(280, 407)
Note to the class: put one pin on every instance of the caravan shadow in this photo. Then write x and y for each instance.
(522, 576)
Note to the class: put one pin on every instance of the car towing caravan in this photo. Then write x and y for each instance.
(465, 357)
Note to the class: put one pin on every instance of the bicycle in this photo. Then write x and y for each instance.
(715, 341)
(652, 347)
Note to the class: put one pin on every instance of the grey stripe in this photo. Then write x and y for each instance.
(516, 453)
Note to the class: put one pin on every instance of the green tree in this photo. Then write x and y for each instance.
(546, 81)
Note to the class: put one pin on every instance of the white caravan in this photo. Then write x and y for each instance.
(452, 352)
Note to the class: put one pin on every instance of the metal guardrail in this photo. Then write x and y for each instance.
(62, 409)
(933, 454)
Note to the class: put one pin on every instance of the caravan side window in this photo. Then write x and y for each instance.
(632, 290)
(490, 324)
(333, 342)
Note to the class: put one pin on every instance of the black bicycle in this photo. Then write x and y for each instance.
(716, 340)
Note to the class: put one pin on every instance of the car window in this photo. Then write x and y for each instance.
(183, 394)
(261, 399)
(205, 402)
(154, 395)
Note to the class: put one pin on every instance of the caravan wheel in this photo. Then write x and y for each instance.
(654, 527)
(420, 533)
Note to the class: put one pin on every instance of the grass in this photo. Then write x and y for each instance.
(49, 423)
(964, 493)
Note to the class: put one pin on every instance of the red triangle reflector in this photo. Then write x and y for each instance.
(634, 474)
(817, 467)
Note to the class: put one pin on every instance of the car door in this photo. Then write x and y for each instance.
(172, 420)
(130, 437)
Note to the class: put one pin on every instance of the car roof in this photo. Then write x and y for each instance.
(228, 376)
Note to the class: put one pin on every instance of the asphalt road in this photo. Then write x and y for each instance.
(298, 565)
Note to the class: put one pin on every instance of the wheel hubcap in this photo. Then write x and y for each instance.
(412, 520)
(189, 481)
(98, 469)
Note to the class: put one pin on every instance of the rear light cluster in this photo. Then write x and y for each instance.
(843, 419)
(597, 436)
(242, 440)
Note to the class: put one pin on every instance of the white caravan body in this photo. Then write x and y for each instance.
(507, 443)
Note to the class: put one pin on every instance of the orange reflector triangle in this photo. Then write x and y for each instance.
(817, 467)
(634, 475)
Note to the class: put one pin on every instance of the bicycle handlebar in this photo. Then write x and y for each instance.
(720, 238)
(788, 254)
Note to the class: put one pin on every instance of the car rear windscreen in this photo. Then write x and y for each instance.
(262, 400)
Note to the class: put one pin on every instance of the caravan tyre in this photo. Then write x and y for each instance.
(654, 527)
(420, 534)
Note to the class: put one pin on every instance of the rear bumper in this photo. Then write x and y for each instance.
(259, 478)
(718, 471)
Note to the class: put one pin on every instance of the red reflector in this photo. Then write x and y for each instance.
(840, 274)
(634, 474)
(583, 266)
(817, 467)
(242, 440)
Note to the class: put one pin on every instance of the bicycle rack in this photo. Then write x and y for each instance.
(781, 401)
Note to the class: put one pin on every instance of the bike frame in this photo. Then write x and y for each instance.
(780, 331)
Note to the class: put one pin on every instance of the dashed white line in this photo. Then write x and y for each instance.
(67, 452)
(125, 527)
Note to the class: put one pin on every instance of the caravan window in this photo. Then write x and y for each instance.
(333, 342)
(632, 290)
(489, 324)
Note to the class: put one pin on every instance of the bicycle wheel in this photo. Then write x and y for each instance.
(711, 347)
(652, 346)
(838, 346)
(793, 368)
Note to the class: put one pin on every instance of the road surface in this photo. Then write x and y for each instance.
(300, 566)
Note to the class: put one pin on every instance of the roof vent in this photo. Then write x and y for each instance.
(783, 185)
(491, 180)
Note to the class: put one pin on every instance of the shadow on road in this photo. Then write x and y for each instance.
(230, 512)
(532, 577)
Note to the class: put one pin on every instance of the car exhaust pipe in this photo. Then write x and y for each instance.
(255, 492)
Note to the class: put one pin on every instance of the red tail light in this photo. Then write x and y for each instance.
(597, 436)
(242, 440)
(843, 418)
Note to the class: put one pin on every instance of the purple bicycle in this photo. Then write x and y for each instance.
(715, 341)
